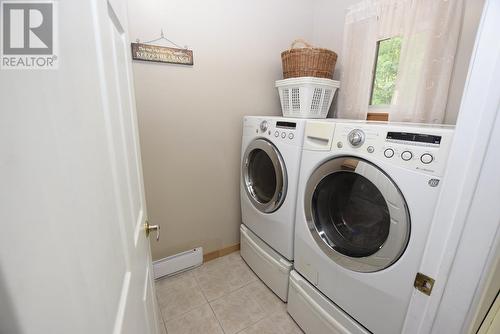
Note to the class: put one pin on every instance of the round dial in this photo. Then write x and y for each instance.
(389, 153)
(263, 126)
(356, 137)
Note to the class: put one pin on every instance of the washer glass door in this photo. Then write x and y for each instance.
(264, 175)
(356, 214)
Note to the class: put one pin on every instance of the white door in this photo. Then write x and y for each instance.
(74, 257)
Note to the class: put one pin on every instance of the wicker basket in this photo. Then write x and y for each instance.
(308, 61)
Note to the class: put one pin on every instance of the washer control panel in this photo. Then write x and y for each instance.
(420, 147)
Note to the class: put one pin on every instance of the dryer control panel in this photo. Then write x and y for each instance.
(288, 131)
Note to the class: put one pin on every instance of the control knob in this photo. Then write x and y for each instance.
(356, 137)
(263, 126)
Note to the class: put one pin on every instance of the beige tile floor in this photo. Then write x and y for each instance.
(221, 296)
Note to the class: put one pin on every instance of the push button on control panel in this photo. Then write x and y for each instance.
(283, 135)
(406, 155)
(290, 135)
(389, 153)
(276, 134)
(426, 158)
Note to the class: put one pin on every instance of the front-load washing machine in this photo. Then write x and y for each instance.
(270, 157)
(366, 198)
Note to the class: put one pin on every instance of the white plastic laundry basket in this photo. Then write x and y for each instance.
(306, 97)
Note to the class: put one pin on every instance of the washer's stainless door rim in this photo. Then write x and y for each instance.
(356, 214)
(264, 175)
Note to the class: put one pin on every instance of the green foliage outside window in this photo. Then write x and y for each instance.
(386, 70)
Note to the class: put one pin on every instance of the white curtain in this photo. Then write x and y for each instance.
(429, 31)
(360, 35)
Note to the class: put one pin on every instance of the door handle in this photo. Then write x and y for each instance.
(148, 228)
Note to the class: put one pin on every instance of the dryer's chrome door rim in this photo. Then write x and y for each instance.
(279, 195)
(397, 220)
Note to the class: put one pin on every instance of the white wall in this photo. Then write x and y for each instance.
(328, 26)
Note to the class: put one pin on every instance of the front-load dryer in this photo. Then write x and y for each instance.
(270, 157)
(366, 198)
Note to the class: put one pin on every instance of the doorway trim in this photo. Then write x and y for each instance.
(444, 256)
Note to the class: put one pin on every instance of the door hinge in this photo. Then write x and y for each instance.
(424, 283)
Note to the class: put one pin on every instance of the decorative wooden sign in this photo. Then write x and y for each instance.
(161, 54)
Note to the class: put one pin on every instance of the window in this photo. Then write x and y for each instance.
(386, 71)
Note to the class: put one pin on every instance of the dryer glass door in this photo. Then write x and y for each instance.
(264, 175)
(356, 214)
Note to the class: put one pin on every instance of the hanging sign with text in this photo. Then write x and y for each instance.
(161, 54)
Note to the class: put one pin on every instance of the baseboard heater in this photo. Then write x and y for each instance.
(179, 262)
